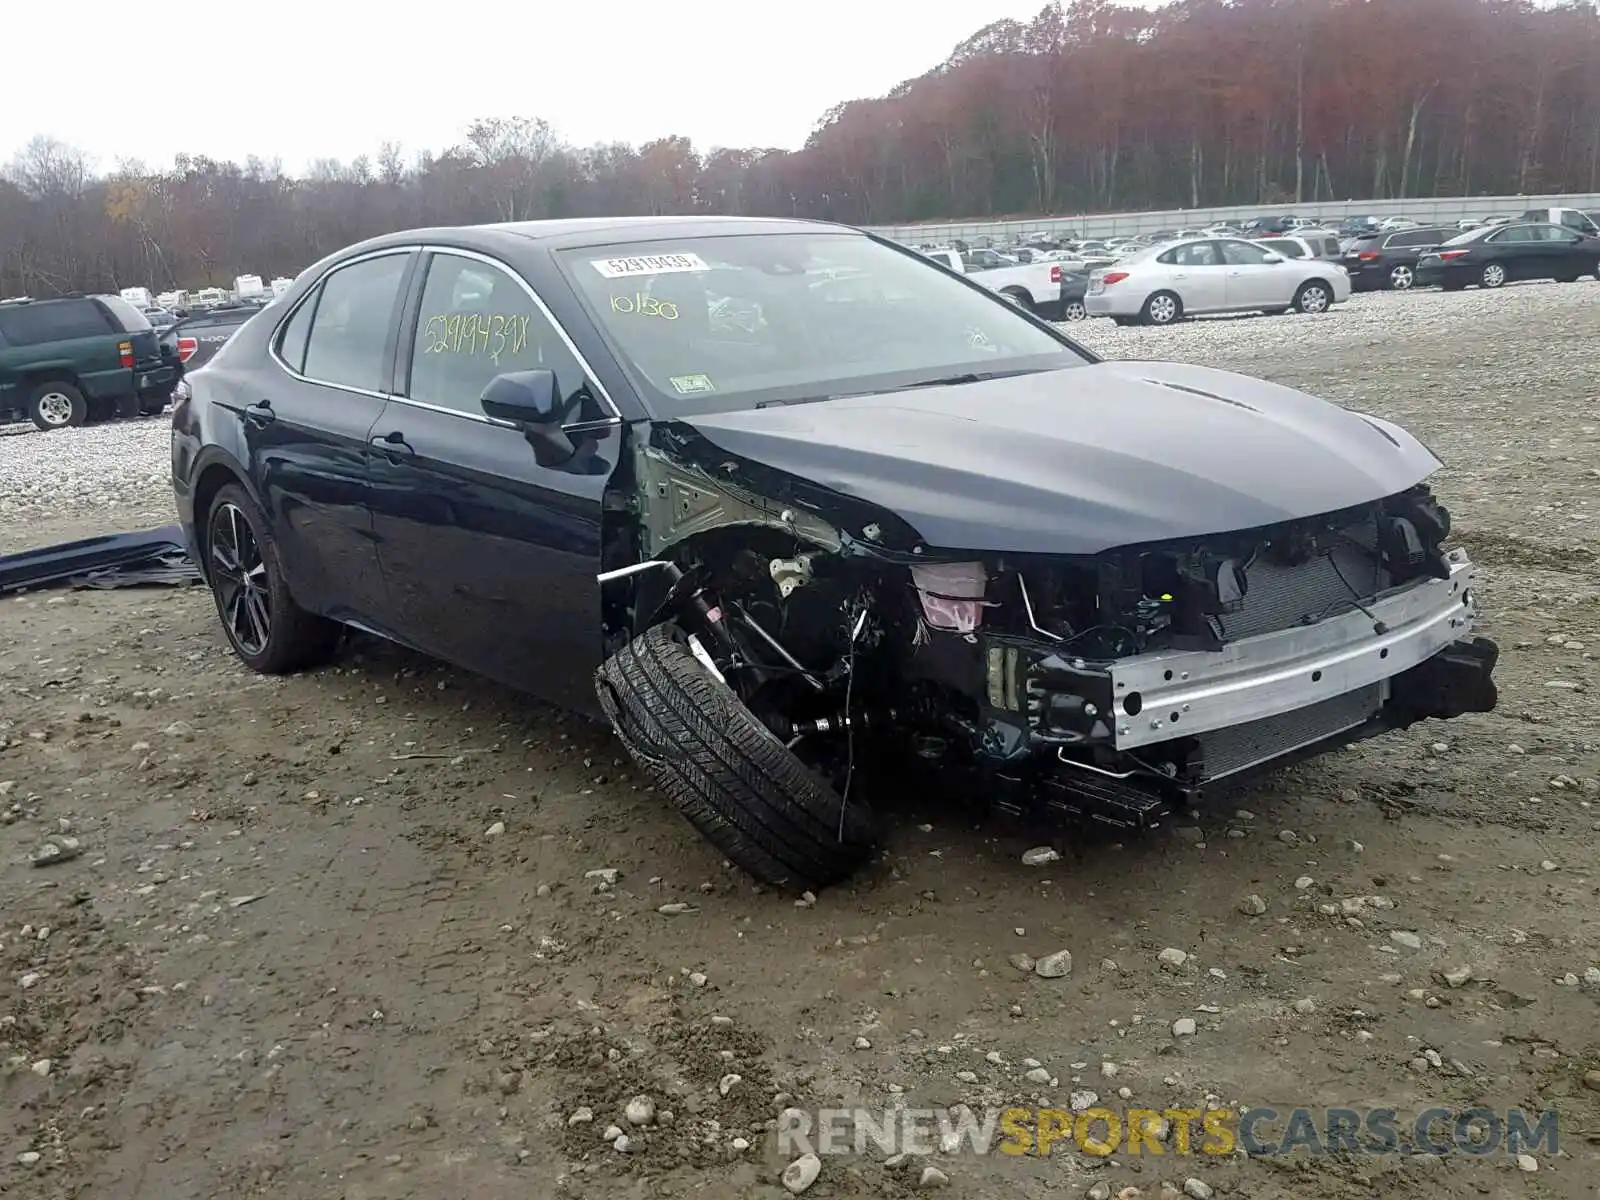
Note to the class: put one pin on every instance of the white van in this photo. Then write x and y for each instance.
(1571, 218)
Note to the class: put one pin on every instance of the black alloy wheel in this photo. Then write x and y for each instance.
(269, 632)
(239, 579)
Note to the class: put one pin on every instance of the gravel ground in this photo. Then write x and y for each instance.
(340, 936)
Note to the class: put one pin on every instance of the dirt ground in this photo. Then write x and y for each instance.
(336, 936)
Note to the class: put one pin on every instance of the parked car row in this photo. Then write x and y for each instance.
(1310, 270)
(1029, 247)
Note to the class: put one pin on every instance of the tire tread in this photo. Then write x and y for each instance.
(729, 776)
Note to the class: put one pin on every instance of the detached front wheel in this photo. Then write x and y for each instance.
(742, 788)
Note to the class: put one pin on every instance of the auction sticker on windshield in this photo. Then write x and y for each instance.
(648, 264)
(692, 385)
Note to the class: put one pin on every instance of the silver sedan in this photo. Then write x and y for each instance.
(1211, 275)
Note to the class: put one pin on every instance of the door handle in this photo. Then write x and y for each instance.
(1180, 275)
(260, 413)
(393, 444)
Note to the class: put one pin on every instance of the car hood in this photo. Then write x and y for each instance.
(1086, 459)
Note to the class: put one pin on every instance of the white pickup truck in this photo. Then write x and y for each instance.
(1035, 286)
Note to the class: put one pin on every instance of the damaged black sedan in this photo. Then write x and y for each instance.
(781, 500)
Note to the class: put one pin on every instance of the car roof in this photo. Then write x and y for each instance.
(595, 231)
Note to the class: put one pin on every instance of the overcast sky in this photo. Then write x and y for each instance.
(303, 79)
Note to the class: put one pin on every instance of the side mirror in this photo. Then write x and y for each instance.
(1272, 256)
(532, 401)
(525, 397)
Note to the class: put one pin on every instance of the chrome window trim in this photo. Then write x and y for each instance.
(544, 310)
(277, 330)
(483, 419)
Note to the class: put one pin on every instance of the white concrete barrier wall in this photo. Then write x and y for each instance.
(1440, 209)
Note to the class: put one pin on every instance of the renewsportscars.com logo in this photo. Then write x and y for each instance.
(1258, 1131)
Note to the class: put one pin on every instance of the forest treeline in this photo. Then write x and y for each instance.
(1089, 107)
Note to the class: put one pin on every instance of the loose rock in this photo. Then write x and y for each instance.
(801, 1173)
(1054, 966)
(60, 850)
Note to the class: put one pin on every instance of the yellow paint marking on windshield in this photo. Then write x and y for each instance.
(645, 306)
(489, 334)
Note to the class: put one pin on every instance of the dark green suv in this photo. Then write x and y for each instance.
(86, 358)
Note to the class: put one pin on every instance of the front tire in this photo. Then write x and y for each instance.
(1313, 297)
(269, 632)
(56, 405)
(1163, 308)
(725, 771)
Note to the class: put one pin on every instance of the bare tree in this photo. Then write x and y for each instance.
(47, 168)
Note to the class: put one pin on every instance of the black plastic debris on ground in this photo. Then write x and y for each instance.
(150, 556)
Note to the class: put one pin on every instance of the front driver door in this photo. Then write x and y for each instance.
(1563, 258)
(489, 558)
(1253, 281)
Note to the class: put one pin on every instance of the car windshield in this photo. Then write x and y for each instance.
(714, 324)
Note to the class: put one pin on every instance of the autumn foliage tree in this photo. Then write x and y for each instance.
(1089, 107)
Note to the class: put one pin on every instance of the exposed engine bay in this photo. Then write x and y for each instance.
(1108, 687)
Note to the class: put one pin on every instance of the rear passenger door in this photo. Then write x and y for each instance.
(1521, 251)
(490, 559)
(306, 442)
(1196, 272)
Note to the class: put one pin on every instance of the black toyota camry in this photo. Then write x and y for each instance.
(788, 505)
